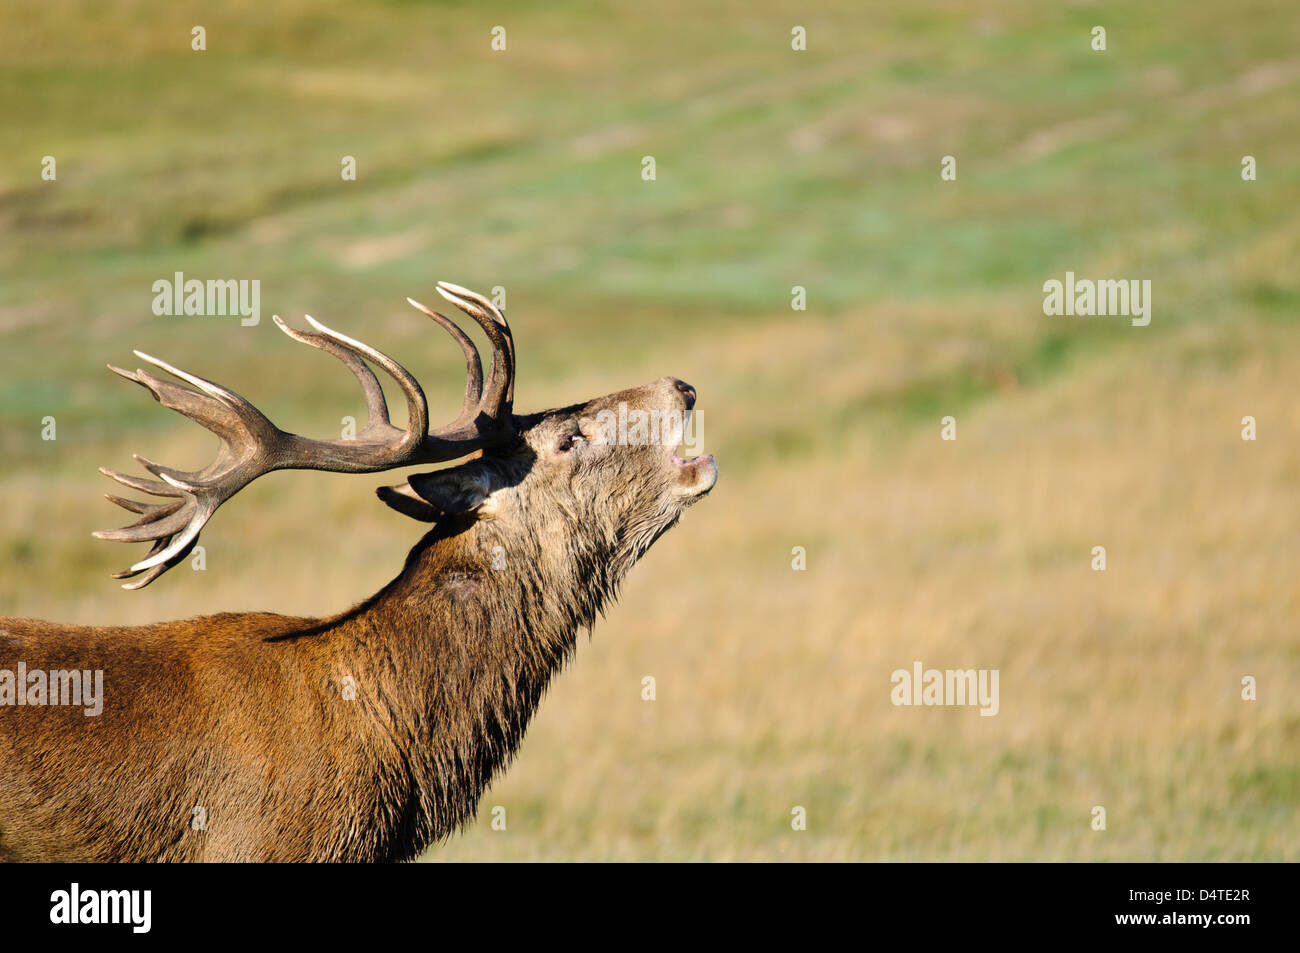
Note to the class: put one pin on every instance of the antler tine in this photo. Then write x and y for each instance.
(417, 424)
(473, 366)
(376, 403)
(499, 398)
(251, 445)
(137, 507)
(157, 520)
(152, 574)
(136, 483)
(210, 410)
(149, 577)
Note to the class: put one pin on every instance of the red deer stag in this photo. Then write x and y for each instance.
(368, 735)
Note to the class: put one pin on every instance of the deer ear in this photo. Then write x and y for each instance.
(461, 489)
(407, 502)
(430, 496)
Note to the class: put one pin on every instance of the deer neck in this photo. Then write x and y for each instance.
(459, 650)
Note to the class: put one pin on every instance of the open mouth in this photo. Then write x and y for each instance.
(697, 475)
(688, 462)
(701, 471)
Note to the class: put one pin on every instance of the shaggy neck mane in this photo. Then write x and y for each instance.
(451, 661)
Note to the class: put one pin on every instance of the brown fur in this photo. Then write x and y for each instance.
(242, 714)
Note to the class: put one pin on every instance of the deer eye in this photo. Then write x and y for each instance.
(572, 442)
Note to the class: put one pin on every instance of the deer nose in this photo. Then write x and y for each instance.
(687, 391)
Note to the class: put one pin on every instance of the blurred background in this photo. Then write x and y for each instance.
(774, 169)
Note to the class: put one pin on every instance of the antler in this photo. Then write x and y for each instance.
(251, 445)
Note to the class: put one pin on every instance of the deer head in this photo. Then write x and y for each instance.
(531, 477)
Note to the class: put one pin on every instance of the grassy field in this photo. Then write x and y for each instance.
(775, 168)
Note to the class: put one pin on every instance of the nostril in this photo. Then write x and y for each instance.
(688, 391)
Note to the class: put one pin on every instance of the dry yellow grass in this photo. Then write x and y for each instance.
(1119, 689)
